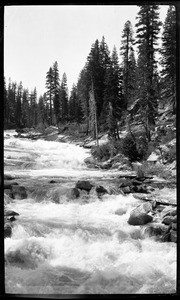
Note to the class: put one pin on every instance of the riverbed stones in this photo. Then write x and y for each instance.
(84, 185)
(19, 192)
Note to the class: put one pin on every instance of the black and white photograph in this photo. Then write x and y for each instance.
(90, 203)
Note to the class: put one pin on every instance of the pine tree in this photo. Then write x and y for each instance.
(25, 108)
(6, 106)
(41, 114)
(95, 68)
(148, 27)
(83, 86)
(75, 109)
(33, 108)
(11, 95)
(56, 91)
(128, 63)
(18, 110)
(114, 103)
(168, 61)
(49, 93)
(64, 98)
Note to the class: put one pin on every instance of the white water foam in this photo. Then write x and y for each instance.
(79, 248)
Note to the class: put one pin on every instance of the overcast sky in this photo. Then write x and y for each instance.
(36, 36)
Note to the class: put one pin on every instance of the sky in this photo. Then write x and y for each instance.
(37, 36)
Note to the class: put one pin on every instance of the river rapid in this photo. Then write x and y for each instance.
(65, 246)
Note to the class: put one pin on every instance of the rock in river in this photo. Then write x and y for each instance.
(10, 213)
(139, 215)
(73, 193)
(100, 189)
(7, 230)
(19, 192)
(169, 219)
(84, 185)
(139, 219)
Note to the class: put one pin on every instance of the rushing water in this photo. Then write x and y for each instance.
(74, 246)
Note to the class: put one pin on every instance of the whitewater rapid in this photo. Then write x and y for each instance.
(76, 247)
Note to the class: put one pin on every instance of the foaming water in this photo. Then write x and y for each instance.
(76, 247)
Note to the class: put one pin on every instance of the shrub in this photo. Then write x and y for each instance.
(170, 156)
(40, 127)
(170, 135)
(104, 151)
(133, 149)
(157, 169)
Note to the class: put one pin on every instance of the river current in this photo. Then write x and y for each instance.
(65, 246)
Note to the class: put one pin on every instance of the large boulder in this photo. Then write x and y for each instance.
(19, 192)
(84, 185)
(139, 215)
(139, 219)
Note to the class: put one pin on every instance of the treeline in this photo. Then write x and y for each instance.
(121, 90)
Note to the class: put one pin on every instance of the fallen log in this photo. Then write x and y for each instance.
(153, 199)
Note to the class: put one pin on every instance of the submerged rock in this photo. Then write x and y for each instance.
(19, 192)
(7, 230)
(9, 193)
(84, 185)
(120, 211)
(156, 230)
(52, 181)
(73, 193)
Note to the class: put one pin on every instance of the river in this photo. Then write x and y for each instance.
(65, 246)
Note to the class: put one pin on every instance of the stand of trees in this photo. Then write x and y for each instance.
(117, 87)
